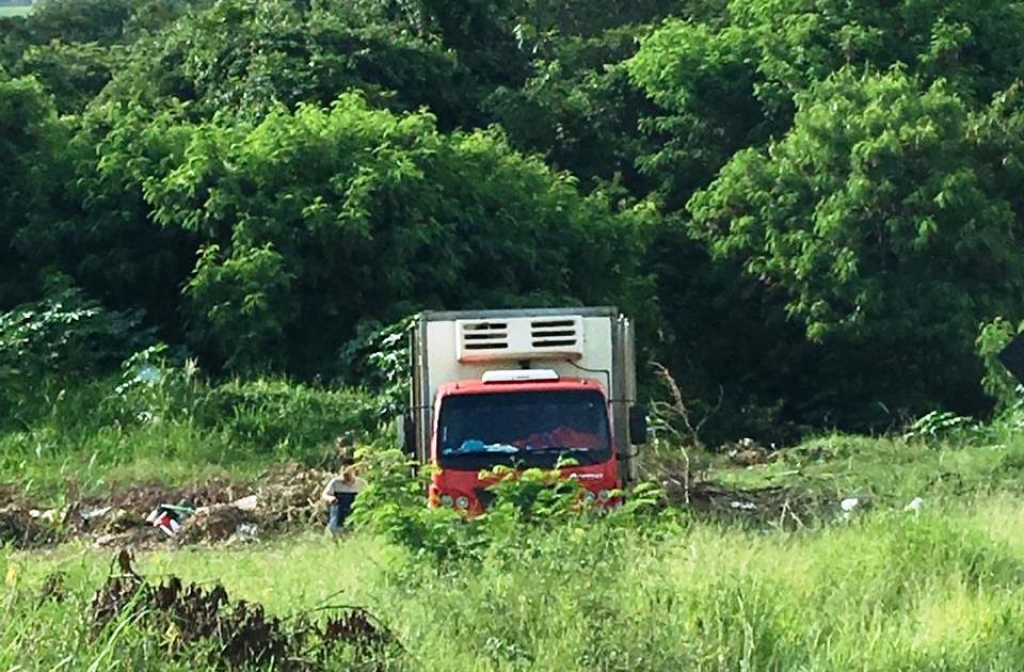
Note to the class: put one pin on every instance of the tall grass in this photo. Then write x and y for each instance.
(104, 432)
(941, 588)
(890, 590)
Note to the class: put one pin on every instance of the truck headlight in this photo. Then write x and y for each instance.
(603, 496)
(588, 496)
(446, 500)
(462, 502)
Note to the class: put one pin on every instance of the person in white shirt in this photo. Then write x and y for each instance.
(339, 494)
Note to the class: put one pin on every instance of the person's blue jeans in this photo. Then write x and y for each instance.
(339, 511)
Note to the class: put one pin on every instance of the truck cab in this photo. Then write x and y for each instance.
(523, 388)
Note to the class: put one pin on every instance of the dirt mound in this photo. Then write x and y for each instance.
(219, 523)
(200, 623)
(289, 496)
(140, 499)
(20, 527)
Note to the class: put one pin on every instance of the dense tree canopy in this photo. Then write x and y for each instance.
(810, 206)
(315, 219)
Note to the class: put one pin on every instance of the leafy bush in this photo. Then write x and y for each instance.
(534, 501)
(157, 386)
(938, 425)
(378, 358)
(290, 418)
(998, 383)
(62, 338)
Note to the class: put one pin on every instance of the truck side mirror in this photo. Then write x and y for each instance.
(638, 424)
(406, 433)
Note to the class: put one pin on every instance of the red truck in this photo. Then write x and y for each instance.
(523, 388)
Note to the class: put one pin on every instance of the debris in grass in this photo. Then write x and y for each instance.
(774, 505)
(914, 505)
(284, 498)
(747, 452)
(212, 524)
(23, 530)
(204, 622)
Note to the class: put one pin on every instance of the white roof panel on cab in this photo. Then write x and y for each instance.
(518, 375)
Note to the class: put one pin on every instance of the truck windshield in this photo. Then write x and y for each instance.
(524, 429)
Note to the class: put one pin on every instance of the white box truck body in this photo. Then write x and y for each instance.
(524, 388)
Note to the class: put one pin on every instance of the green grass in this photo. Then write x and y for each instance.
(17, 10)
(886, 470)
(91, 438)
(887, 590)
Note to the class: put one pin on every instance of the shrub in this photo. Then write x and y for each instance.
(46, 345)
(270, 415)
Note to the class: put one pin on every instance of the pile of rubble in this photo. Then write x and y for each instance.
(145, 515)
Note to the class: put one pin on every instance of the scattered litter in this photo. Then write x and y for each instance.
(96, 513)
(19, 527)
(49, 516)
(154, 513)
(914, 505)
(747, 452)
(774, 505)
(245, 532)
(848, 505)
(168, 517)
(245, 503)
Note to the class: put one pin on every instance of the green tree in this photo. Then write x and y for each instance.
(323, 218)
(72, 72)
(888, 219)
(32, 167)
(727, 86)
(243, 58)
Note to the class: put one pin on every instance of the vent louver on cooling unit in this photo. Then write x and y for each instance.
(518, 338)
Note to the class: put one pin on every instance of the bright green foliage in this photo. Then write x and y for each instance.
(737, 96)
(244, 303)
(324, 217)
(725, 87)
(526, 505)
(580, 111)
(261, 177)
(57, 341)
(704, 80)
(272, 416)
(885, 217)
(239, 58)
(937, 587)
(999, 383)
(378, 358)
(120, 253)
